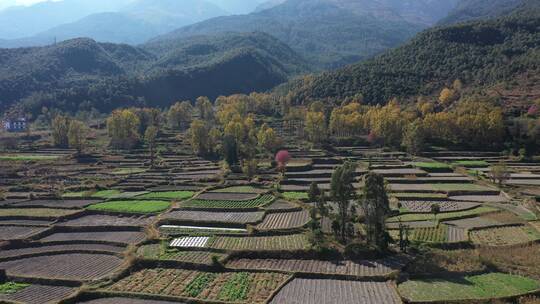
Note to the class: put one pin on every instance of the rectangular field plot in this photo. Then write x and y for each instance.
(170, 195)
(71, 266)
(241, 189)
(284, 220)
(233, 287)
(485, 286)
(371, 268)
(445, 206)
(100, 220)
(440, 188)
(227, 196)
(119, 300)
(443, 216)
(172, 230)
(67, 203)
(19, 232)
(321, 291)
(160, 252)
(132, 206)
(504, 236)
(35, 212)
(38, 294)
(260, 201)
(261, 243)
(19, 252)
(123, 237)
(192, 216)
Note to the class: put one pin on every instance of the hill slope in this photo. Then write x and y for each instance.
(329, 33)
(106, 76)
(467, 10)
(481, 54)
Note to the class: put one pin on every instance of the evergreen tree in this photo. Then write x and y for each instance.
(376, 208)
(342, 192)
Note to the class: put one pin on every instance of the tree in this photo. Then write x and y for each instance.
(198, 136)
(268, 139)
(342, 192)
(230, 150)
(314, 192)
(376, 208)
(150, 136)
(435, 209)
(77, 136)
(414, 138)
(204, 106)
(447, 96)
(60, 129)
(315, 127)
(499, 173)
(282, 159)
(250, 167)
(180, 115)
(123, 128)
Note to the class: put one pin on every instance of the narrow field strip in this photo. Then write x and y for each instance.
(187, 242)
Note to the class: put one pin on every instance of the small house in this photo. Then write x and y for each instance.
(15, 125)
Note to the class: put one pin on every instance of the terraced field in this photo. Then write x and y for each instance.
(241, 189)
(327, 291)
(284, 220)
(239, 287)
(102, 220)
(35, 212)
(445, 206)
(158, 252)
(261, 243)
(39, 294)
(259, 201)
(19, 252)
(75, 266)
(227, 196)
(123, 237)
(66, 203)
(363, 269)
(172, 230)
(119, 300)
(19, 232)
(191, 216)
(504, 236)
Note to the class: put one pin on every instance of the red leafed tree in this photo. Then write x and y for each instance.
(533, 110)
(282, 158)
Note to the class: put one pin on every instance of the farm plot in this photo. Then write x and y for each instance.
(75, 266)
(35, 212)
(504, 236)
(172, 230)
(28, 157)
(367, 268)
(20, 252)
(190, 242)
(292, 195)
(68, 204)
(241, 189)
(233, 287)
(118, 300)
(19, 232)
(261, 243)
(102, 220)
(480, 198)
(38, 294)
(169, 195)
(430, 235)
(284, 220)
(281, 205)
(445, 206)
(227, 196)
(160, 252)
(478, 287)
(443, 216)
(260, 201)
(321, 291)
(440, 188)
(192, 216)
(132, 206)
(121, 237)
(17, 222)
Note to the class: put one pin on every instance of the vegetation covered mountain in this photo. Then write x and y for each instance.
(329, 33)
(467, 10)
(133, 23)
(84, 74)
(502, 54)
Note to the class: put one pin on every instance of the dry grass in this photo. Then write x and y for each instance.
(436, 261)
(522, 260)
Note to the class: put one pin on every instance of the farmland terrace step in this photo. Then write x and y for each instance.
(430, 180)
(461, 153)
(400, 172)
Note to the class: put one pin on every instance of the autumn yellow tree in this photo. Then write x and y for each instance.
(77, 134)
(268, 139)
(198, 136)
(205, 108)
(180, 115)
(447, 96)
(315, 127)
(60, 128)
(123, 129)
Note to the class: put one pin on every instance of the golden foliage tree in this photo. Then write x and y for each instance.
(77, 134)
(180, 115)
(123, 129)
(60, 128)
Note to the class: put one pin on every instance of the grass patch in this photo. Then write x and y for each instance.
(28, 157)
(441, 216)
(484, 286)
(236, 288)
(291, 195)
(105, 193)
(470, 163)
(200, 283)
(172, 195)
(11, 287)
(132, 206)
(432, 165)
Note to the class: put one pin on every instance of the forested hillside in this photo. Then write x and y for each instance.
(481, 54)
(327, 33)
(84, 74)
(467, 10)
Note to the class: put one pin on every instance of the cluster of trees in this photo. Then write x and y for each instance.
(69, 133)
(464, 123)
(373, 202)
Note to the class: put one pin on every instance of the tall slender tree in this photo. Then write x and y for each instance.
(376, 208)
(342, 192)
